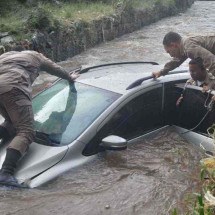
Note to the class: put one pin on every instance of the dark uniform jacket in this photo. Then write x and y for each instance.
(194, 47)
(20, 69)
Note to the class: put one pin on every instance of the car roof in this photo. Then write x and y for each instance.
(116, 77)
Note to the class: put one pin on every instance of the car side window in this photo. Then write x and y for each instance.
(172, 91)
(140, 115)
(193, 109)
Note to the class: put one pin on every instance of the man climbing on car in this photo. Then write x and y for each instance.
(18, 70)
(192, 47)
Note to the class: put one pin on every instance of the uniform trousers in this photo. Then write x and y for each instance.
(16, 108)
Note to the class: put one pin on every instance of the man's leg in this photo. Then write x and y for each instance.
(19, 109)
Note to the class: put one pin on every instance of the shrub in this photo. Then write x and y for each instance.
(40, 19)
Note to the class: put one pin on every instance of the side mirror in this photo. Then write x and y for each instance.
(113, 142)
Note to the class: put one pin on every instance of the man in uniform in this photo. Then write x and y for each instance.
(193, 47)
(18, 70)
(199, 77)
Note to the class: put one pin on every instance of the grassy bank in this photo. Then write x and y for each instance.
(21, 19)
(141, 4)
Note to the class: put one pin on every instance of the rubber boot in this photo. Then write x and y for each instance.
(8, 168)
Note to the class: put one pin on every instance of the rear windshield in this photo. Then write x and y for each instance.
(65, 110)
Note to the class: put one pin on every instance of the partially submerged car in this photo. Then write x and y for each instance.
(108, 107)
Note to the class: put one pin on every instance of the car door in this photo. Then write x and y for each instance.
(139, 115)
(194, 110)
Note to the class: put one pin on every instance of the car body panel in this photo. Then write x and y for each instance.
(118, 77)
(72, 159)
(38, 159)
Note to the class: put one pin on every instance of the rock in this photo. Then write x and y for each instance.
(3, 34)
(2, 50)
(41, 42)
(107, 206)
(7, 39)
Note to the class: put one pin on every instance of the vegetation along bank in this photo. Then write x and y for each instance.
(62, 29)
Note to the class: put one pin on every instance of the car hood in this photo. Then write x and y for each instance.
(38, 159)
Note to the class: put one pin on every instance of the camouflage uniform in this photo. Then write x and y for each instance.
(194, 47)
(18, 70)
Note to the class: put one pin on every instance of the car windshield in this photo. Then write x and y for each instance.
(65, 110)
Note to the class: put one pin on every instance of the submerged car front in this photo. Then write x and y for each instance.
(62, 113)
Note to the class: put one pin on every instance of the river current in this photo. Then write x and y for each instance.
(152, 176)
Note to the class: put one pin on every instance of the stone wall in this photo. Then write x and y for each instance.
(67, 41)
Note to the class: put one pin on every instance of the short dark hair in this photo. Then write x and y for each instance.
(199, 62)
(171, 37)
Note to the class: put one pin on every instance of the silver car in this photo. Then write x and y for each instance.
(108, 107)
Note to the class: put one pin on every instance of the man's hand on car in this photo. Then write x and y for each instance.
(74, 75)
(156, 74)
(205, 88)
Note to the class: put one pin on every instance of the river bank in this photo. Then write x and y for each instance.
(59, 41)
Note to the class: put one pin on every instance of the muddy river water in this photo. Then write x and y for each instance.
(152, 176)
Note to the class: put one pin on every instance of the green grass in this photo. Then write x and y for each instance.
(10, 23)
(18, 23)
(14, 25)
(150, 3)
(16, 20)
(77, 11)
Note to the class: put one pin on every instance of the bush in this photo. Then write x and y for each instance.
(5, 6)
(40, 19)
